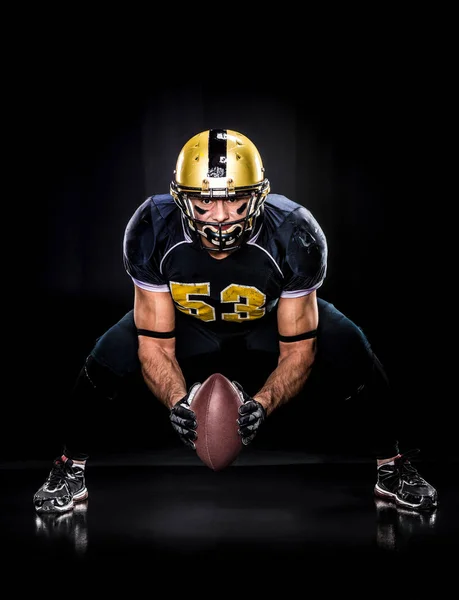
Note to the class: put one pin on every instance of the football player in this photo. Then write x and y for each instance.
(224, 271)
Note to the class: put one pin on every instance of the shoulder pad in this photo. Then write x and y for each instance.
(306, 250)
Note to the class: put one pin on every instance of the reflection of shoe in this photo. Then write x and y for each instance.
(70, 526)
(386, 521)
(64, 486)
(397, 527)
(401, 483)
(412, 521)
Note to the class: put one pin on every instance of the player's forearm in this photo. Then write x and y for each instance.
(286, 381)
(164, 377)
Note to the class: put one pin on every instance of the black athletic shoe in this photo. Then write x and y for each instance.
(402, 484)
(64, 486)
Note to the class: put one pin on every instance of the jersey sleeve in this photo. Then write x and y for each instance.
(140, 252)
(306, 255)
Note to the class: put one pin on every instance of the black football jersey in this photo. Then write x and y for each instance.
(286, 256)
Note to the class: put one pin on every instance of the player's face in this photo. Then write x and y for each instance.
(223, 211)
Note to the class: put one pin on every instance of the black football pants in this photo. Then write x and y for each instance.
(347, 400)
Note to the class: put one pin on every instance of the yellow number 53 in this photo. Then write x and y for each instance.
(247, 302)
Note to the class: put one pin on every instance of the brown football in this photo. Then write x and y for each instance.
(216, 405)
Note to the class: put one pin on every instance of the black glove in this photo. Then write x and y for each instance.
(183, 419)
(252, 414)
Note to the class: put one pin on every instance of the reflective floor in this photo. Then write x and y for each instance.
(268, 509)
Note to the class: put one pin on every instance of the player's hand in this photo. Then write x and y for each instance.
(251, 415)
(183, 419)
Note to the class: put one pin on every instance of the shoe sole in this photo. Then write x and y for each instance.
(49, 507)
(426, 504)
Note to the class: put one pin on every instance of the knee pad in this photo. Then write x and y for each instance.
(100, 378)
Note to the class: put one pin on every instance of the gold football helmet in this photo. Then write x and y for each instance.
(220, 164)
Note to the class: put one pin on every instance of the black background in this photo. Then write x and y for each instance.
(361, 143)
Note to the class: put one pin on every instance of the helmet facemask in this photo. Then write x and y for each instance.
(224, 236)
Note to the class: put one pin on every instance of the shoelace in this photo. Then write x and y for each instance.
(58, 472)
(406, 469)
